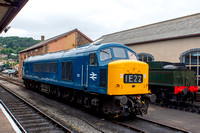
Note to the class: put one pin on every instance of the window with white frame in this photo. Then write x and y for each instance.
(191, 58)
(145, 57)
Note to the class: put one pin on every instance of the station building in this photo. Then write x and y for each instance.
(175, 40)
(68, 40)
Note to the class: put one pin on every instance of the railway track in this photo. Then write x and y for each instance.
(20, 83)
(146, 126)
(188, 107)
(12, 80)
(136, 125)
(29, 117)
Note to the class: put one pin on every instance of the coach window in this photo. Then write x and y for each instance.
(105, 54)
(145, 57)
(93, 59)
(119, 52)
(191, 58)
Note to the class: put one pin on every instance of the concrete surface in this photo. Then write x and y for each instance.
(185, 120)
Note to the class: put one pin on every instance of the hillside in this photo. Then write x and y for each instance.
(12, 45)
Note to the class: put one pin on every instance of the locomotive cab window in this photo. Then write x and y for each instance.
(119, 52)
(105, 54)
(93, 59)
(131, 55)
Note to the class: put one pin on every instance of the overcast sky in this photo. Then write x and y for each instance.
(94, 18)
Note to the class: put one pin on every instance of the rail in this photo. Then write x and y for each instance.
(45, 116)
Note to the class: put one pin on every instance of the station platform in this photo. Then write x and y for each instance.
(7, 125)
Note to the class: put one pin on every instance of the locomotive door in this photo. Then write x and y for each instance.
(80, 69)
(93, 72)
(88, 69)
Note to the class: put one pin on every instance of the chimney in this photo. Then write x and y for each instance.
(42, 38)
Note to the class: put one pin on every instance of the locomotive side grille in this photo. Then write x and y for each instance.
(103, 78)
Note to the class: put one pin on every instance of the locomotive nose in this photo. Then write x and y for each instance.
(127, 77)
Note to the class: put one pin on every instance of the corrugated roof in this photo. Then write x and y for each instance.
(179, 27)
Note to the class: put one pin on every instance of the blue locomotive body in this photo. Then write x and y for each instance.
(82, 74)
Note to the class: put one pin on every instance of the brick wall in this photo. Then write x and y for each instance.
(69, 41)
(66, 42)
(26, 54)
(81, 40)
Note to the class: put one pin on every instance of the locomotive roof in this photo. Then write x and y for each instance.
(48, 56)
(73, 52)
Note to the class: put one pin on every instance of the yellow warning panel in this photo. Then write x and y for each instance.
(128, 77)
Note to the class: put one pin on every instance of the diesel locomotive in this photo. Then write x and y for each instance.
(172, 82)
(105, 77)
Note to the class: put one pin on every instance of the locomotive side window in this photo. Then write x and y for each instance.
(105, 54)
(119, 52)
(67, 71)
(45, 67)
(131, 55)
(50, 67)
(93, 59)
(37, 67)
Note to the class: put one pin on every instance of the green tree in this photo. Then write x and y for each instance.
(15, 44)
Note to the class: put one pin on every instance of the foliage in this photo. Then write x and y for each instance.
(15, 44)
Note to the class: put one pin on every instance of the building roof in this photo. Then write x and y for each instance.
(186, 26)
(42, 43)
(8, 10)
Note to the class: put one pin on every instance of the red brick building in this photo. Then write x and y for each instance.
(68, 40)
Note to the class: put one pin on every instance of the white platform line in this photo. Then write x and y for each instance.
(15, 127)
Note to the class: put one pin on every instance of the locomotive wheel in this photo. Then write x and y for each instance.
(79, 99)
(27, 85)
(71, 96)
(58, 93)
